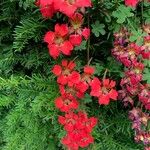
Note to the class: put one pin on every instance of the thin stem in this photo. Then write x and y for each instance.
(89, 61)
(104, 76)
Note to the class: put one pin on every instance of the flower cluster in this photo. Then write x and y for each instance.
(78, 128)
(104, 90)
(74, 84)
(132, 56)
(65, 38)
(139, 119)
(67, 7)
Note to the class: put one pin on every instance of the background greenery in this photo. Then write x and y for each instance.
(28, 89)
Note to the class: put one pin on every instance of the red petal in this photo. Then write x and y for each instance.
(47, 11)
(95, 87)
(62, 89)
(64, 63)
(106, 82)
(131, 3)
(75, 39)
(57, 70)
(112, 83)
(59, 102)
(89, 70)
(61, 29)
(113, 94)
(83, 3)
(86, 33)
(53, 51)
(62, 80)
(104, 99)
(61, 120)
(45, 2)
(74, 77)
(67, 9)
(71, 65)
(82, 86)
(69, 127)
(49, 37)
(66, 48)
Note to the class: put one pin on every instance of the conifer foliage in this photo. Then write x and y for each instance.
(74, 74)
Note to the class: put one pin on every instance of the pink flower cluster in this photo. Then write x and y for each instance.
(132, 56)
(133, 87)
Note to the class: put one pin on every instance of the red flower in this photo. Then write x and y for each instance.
(104, 91)
(76, 31)
(86, 140)
(69, 143)
(86, 123)
(64, 71)
(76, 21)
(78, 127)
(68, 7)
(57, 41)
(68, 121)
(46, 7)
(66, 103)
(131, 3)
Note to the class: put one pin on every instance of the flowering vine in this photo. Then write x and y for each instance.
(132, 57)
(74, 84)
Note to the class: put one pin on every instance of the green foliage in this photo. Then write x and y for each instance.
(28, 29)
(122, 13)
(146, 75)
(29, 122)
(27, 88)
(137, 36)
(98, 28)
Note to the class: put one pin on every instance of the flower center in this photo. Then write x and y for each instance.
(137, 70)
(105, 90)
(67, 102)
(76, 24)
(59, 40)
(131, 52)
(66, 72)
(71, 2)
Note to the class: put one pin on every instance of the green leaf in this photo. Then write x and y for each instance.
(98, 29)
(137, 36)
(146, 75)
(82, 46)
(122, 13)
(87, 98)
